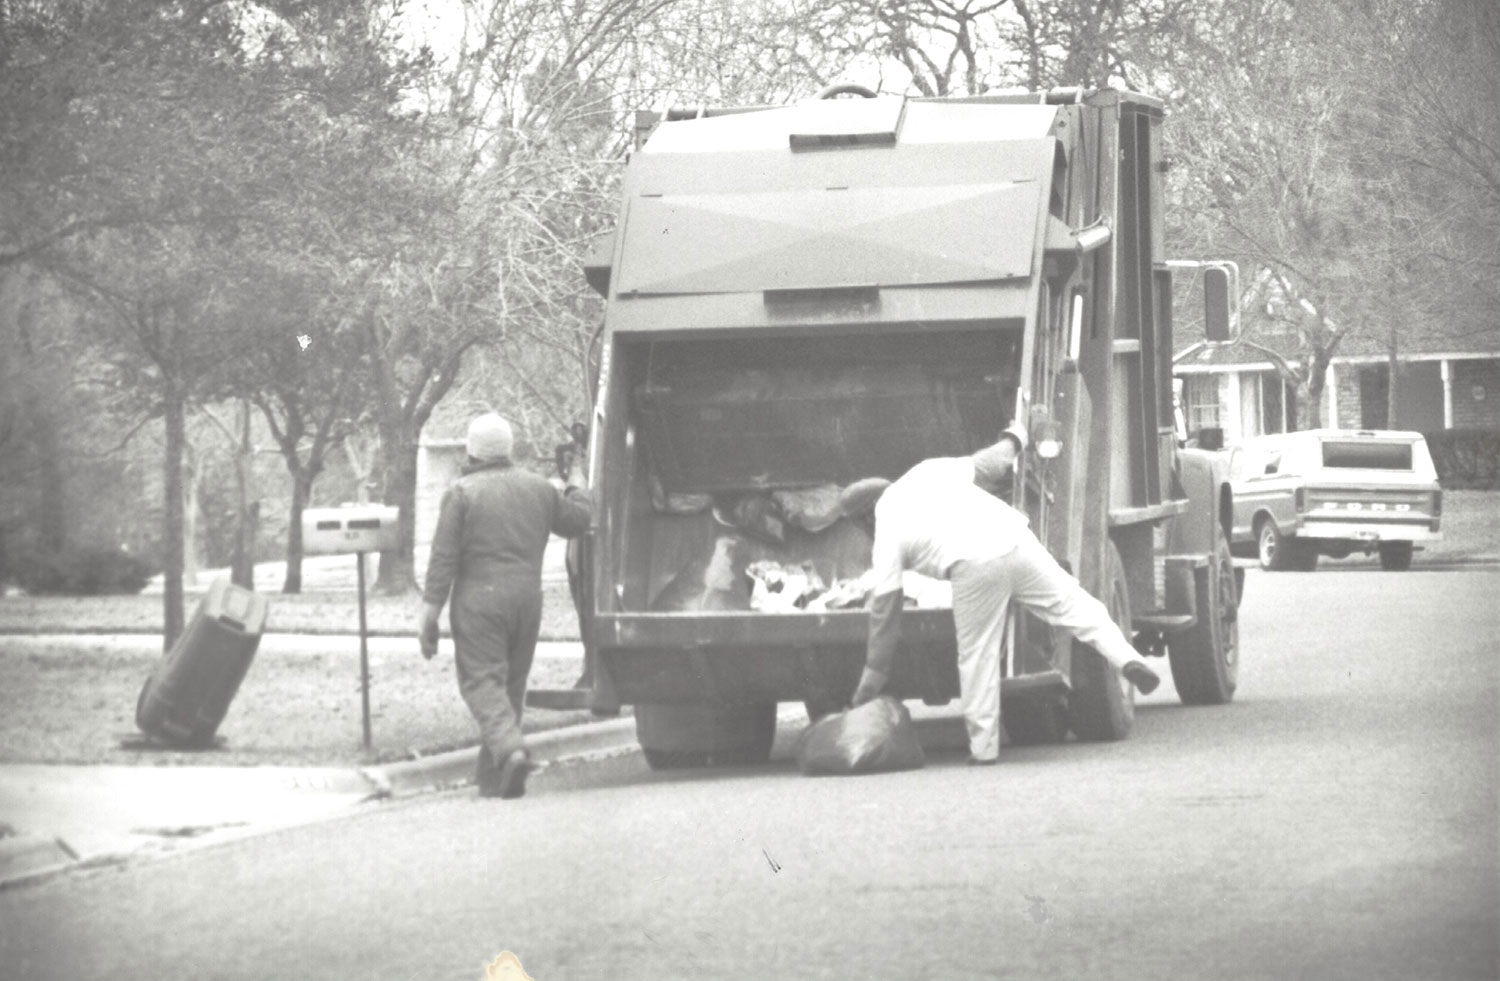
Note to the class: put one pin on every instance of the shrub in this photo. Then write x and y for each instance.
(82, 571)
(1466, 459)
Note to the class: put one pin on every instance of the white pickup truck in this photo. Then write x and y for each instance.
(1333, 492)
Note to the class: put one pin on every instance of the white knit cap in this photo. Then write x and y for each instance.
(490, 438)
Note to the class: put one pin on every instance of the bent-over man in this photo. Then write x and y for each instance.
(941, 519)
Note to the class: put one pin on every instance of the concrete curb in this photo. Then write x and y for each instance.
(456, 768)
(26, 857)
(29, 858)
(939, 728)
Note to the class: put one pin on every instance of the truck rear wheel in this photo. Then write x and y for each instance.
(1101, 706)
(1206, 657)
(677, 736)
(1395, 556)
(1035, 722)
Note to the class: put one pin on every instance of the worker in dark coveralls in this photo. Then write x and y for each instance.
(487, 550)
(942, 519)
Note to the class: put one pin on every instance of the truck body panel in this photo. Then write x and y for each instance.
(803, 296)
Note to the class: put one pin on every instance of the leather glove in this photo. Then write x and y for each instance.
(870, 684)
(428, 632)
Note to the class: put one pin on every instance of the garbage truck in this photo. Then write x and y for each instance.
(801, 296)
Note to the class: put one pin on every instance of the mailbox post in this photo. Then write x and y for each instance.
(357, 528)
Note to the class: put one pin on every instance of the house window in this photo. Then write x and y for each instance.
(1200, 399)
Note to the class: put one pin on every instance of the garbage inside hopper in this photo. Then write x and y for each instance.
(710, 583)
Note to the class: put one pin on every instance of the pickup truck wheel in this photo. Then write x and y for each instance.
(1272, 548)
(1101, 706)
(677, 736)
(1035, 722)
(1206, 657)
(1395, 556)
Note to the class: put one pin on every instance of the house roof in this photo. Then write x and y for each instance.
(1355, 347)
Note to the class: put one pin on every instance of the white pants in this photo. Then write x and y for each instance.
(982, 589)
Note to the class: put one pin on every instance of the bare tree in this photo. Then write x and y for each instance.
(1358, 199)
(503, 166)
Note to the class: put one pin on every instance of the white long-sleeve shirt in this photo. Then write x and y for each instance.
(935, 516)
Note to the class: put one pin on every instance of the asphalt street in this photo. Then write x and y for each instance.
(1337, 821)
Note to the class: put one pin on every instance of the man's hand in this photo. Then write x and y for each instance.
(871, 682)
(428, 631)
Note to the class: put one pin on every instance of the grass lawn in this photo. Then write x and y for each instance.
(314, 611)
(72, 701)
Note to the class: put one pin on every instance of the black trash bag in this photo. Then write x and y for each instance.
(878, 735)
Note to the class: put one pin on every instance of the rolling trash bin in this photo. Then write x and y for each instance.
(188, 693)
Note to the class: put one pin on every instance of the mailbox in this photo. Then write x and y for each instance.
(351, 528)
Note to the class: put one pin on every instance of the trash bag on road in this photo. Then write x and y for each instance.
(878, 735)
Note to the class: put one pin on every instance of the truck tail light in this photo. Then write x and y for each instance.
(1299, 499)
(1437, 508)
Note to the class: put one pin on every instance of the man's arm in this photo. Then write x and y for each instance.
(880, 650)
(575, 506)
(442, 569)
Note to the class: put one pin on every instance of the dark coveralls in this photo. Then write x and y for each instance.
(491, 532)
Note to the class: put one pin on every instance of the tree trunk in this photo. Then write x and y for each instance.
(242, 567)
(399, 473)
(1317, 379)
(1312, 406)
(301, 494)
(172, 537)
(191, 549)
(53, 519)
(359, 465)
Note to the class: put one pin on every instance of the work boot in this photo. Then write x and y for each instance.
(1141, 675)
(513, 773)
(487, 775)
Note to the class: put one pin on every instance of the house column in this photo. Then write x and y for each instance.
(1331, 393)
(1447, 369)
(1234, 426)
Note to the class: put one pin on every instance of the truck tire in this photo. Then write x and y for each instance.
(1395, 556)
(678, 736)
(1035, 721)
(1101, 706)
(1206, 657)
(1271, 546)
(671, 759)
(1278, 553)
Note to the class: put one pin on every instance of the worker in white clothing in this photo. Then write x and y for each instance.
(941, 519)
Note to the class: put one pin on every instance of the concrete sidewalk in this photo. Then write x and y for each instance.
(62, 817)
(74, 817)
(56, 817)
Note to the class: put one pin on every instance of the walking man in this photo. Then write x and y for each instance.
(487, 553)
(941, 519)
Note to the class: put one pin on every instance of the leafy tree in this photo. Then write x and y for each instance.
(182, 146)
